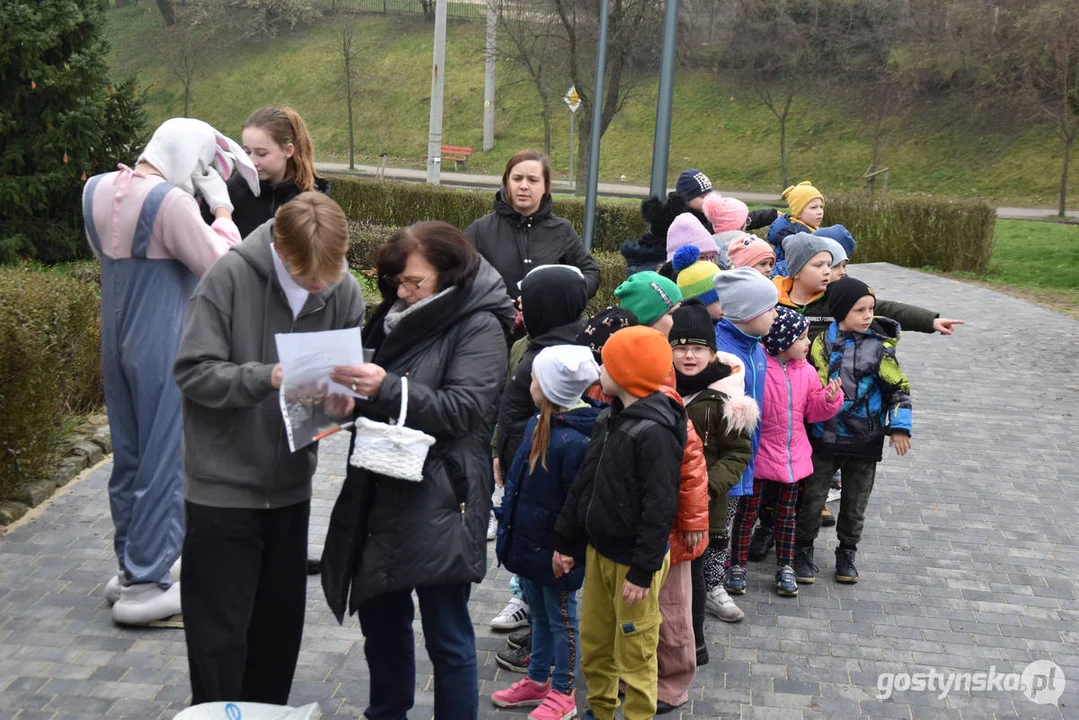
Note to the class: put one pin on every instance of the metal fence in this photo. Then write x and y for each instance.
(457, 9)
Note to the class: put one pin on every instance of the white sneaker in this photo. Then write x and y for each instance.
(116, 582)
(834, 494)
(143, 603)
(719, 603)
(112, 589)
(492, 527)
(513, 616)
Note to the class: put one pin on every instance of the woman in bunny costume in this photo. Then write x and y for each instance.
(144, 225)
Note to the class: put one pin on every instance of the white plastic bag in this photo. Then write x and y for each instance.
(249, 711)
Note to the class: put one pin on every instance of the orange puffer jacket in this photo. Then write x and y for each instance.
(693, 496)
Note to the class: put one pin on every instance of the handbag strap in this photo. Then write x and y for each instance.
(404, 401)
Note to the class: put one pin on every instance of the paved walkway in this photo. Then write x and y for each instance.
(475, 180)
(968, 564)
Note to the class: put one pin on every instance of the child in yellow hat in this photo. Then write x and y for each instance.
(806, 214)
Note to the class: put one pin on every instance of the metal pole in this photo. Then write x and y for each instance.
(662, 142)
(489, 80)
(593, 142)
(438, 75)
(572, 118)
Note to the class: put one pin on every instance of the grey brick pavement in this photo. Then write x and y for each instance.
(968, 563)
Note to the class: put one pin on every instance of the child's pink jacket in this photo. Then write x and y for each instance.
(793, 396)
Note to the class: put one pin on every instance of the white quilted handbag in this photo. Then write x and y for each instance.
(392, 450)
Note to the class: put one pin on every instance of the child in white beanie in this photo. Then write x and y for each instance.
(543, 470)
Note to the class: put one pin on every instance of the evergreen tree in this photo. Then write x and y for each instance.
(61, 121)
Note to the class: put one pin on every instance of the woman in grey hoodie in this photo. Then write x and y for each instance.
(247, 498)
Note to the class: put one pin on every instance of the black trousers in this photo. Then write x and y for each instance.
(700, 593)
(243, 586)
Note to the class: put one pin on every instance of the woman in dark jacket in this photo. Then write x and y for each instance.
(443, 323)
(522, 233)
(278, 143)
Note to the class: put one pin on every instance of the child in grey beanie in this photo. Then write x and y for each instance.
(749, 293)
(800, 247)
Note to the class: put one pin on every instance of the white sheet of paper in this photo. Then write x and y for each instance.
(308, 358)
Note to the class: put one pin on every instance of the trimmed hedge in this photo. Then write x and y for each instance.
(909, 231)
(393, 204)
(916, 231)
(612, 273)
(50, 365)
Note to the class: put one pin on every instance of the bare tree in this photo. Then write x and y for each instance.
(529, 44)
(351, 57)
(184, 58)
(776, 70)
(1051, 74)
(632, 47)
(168, 12)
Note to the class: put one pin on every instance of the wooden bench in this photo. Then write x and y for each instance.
(457, 153)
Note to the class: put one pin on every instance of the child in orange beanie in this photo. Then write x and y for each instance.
(620, 512)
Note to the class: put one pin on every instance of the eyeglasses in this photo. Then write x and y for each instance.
(409, 284)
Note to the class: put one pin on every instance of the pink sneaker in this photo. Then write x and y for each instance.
(523, 693)
(557, 706)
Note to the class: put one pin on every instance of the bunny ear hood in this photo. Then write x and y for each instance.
(182, 147)
(228, 150)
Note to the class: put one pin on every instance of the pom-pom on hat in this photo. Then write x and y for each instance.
(725, 213)
(601, 326)
(638, 359)
(688, 230)
(800, 195)
(744, 294)
(787, 327)
(648, 295)
(843, 294)
(748, 250)
(692, 184)
(695, 275)
(800, 247)
(692, 326)
(564, 372)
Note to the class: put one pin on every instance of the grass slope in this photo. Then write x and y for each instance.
(717, 126)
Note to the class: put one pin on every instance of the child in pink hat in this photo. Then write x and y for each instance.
(688, 230)
(752, 252)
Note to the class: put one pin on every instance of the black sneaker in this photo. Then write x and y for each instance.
(520, 639)
(514, 659)
(786, 582)
(845, 572)
(702, 655)
(763, 540)
(827, 519)
(735, 580)
(804, 569)
(314, 566)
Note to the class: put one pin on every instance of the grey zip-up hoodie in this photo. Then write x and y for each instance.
(235, 451)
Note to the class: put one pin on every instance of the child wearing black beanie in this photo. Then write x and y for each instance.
(858, 349)
(713, 388)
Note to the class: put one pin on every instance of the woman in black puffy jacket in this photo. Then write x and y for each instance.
(523, 233)
(443, 324)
